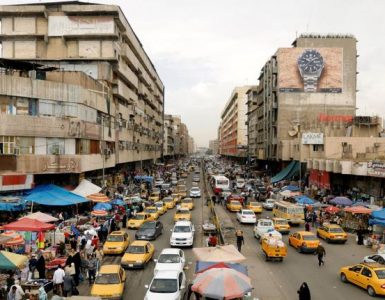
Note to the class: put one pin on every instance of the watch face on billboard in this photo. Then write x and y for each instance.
(310, 70)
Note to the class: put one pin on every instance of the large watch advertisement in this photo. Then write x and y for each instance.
(310, 70)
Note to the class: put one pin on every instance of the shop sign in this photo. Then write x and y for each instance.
(376, 168)
(312, 138)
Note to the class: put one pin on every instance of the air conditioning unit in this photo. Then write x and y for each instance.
(376, 145)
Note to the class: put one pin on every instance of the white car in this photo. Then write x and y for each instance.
(166, 285)
(263, 226)
(240, 182)
(182, 234)
(195, 192)
(378, 258)
(268, 204)
(246, 216)
(158, 182)
(170, 259)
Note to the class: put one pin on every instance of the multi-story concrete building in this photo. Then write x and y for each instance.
(169, 140)
(299, 85)
(251, 122)
(176, 138)
(97, 40)
(213, 146)
(232, 129)
(191, 145)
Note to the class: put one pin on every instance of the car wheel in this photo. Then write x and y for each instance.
(371, 291)
(318, 235)
(343, 277)
(327, 240)
(299, 249)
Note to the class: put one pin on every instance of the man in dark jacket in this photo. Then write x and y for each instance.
(321, 253)
(40, 266)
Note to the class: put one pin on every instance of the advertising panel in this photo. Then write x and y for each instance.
(317, 70)
(80, 25)
(376, 168)
(312, 138)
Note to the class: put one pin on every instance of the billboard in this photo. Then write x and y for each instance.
(376, 168)
(312, 138)
(317, 70)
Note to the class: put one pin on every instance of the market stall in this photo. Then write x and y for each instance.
(356, 218)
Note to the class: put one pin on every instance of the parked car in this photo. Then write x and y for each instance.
(195, 192)
(166, 285)
(182, 234)
(149, 230)
(246, 216)
(263, 226)
(268, 204)
(170, 259)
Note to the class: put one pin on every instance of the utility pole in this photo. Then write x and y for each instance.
(103, 152)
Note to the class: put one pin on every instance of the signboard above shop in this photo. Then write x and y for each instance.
(376, 168)
(312, 138)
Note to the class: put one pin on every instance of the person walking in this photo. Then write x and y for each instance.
(58, 278)
(124, 221)
(307, 226)
(92, 265)
(304, 292)
(321, 253)
(17, 291)
(240, 239)
(40, 266)
(68, 284)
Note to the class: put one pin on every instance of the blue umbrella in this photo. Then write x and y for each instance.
(291, 188)
(102, 206)
(117, 202)
(344, 201)
(304, 200)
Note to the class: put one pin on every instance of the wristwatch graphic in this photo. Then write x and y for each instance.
(310, 65)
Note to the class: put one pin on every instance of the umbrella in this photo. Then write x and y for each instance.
(46, 218)
(26, 224)
(98, 197)
(99, 213)
(15, 238)
(11, 261)
(103, 206)
(292, 188)
(305, 200)
(226, 253)
(344, 201)
(117, 202)
(332, 209)
(222, 283)
(358, 210)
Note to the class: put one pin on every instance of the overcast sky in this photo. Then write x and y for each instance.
(203, 48)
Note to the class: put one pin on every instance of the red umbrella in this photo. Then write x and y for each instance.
(99, 213)
(16, 239)
(26, 224)
(332, 209)
(98, 197)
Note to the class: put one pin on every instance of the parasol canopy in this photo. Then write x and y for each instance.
(103, 206)
(227, 253)
(358, 210)
(98, 197)
(11, 261)
(14, 238)
(222, 283)
(343, 201)
(118, 202)
(26, 224)
(99, 213)
(46, 218)
(332, 209)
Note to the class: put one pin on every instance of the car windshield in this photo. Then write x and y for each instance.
(159, 204)
(138, 217)
(136, 250)
(266, 223)
(280, 222)
(182, 211)
(222, 182)
(169, 258)
(254, 204)
(336, 230)
(154, 194)
(182, 229)
(168, 200)
(309, 237)
(150, 210)
(380, 274)
(107, 279)
(235, 203)
(247, 212)
(115, 238)
(186, 201)
(195, 189)
(148, 225)
(164, 285)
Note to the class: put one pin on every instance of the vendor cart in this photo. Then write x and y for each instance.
(274, 249)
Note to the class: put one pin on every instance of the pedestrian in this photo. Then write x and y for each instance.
(77, 260)
(124, 220)
(95, 242)
(92, 265)
(313, 218)
(240, 239)
(212, 241)
(58, 279)
(320, 251)
(68, 284)
(32, 265)
(307, 226)
(304, 292)
(40, 266)
(18, 291)
(12, 294)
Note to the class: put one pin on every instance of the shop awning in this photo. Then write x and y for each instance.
(86, 188)
(305, 200)
(53, 195)
(26, 224)
(46, 218)
(11, 261)
(379, 214)
(11, 204)
(358, 210)
(287, 173)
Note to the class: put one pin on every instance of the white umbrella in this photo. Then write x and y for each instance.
(226, 253)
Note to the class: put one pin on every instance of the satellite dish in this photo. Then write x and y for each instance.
(294, 131)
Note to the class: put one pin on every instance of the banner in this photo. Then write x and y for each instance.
(376, 168)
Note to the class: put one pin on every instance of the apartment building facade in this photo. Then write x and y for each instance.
(232, 132)
(213, 146)
(97, 40)
(177, 141)
(314, 79)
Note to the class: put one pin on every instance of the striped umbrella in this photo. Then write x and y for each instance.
(98, 197)
(15, 238)
(99, 213)
(222, 283)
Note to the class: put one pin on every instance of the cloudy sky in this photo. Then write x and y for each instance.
(203, 48)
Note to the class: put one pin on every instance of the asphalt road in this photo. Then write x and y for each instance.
(271, 280)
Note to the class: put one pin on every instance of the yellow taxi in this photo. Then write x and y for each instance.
(169, 201)
(182, 214)
(136, 221)
(332, 233)
(370, 276)
(304, 241)
(187, 203)
(176, 198)
(234, 205)
(109, 282)
(138, 254)
(161, 206)
(154, 196)
(181, 190)
(281, 225)
(153, 211)
(116, 243)
(255, 207)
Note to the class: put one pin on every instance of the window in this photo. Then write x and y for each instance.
(318, 148)
(55, 146)
(7, 145)
(356, 269)
(366, 272)
(25, 145)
